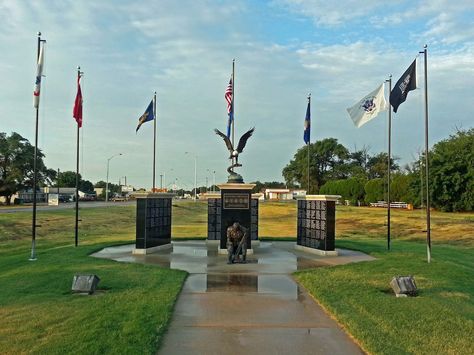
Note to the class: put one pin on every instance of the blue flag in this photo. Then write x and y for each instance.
(307, 123)
(147, 116)
(229, 123)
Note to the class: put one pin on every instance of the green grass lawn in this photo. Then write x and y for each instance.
(38, 313)
(439, 321)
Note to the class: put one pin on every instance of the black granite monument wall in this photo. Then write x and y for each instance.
(214, 226)
(153, 224)
(214, 219)
(316, 224)
(235, 207)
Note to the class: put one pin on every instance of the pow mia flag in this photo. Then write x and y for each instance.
(406, 83)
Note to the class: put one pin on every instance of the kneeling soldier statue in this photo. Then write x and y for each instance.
(236, 242)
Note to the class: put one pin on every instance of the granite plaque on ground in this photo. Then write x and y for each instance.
(85, 283)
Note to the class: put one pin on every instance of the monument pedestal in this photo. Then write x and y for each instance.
(153, 223)
(316, 229)
(236, 206)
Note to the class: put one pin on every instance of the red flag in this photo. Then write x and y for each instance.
(77, 112)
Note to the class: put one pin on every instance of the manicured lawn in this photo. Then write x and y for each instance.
(38, 313)
(129, 314)
(439, 321)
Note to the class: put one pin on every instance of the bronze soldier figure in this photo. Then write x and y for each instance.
(236, 242)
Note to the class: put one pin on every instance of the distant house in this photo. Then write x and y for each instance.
(298, 194)
(283, 194)
(278, 194)
(26, 196)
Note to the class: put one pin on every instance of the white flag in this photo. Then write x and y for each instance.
(369, 107)
(39, 74)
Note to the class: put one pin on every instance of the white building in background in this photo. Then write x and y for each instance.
(283, 194)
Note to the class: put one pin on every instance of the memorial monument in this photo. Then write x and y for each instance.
(236, 212)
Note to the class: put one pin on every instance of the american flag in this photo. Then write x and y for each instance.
(228, 96)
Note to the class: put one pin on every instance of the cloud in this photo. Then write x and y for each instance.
(327, 13)
(184, 51)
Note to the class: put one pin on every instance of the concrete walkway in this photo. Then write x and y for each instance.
(246, 308)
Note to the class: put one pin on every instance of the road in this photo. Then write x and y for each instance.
(62, 206)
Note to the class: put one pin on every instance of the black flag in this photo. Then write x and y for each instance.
(406, 83)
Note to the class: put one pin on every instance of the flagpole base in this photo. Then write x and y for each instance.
(33, 251)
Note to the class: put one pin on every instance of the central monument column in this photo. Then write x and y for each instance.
(236, 203)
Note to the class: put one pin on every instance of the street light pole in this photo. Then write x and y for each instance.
(195, 175)
(107, 183)
(214, 181)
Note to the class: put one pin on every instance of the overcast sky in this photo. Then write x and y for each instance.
(183, 50)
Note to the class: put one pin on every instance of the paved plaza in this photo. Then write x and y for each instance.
(246, 308)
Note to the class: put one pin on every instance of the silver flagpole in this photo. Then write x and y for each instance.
(154, 141)
(309, 140)
(233, 99)
(35, 167)
(428, 215)
(76, 238)
(389, 167)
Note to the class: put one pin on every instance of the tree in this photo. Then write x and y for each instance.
(327, 160)
(100, 184)
(377, 166)
(401, 188)
(86, 186)
(17, 165)
(68, 179)
(261, 186)
(374, 190)
(351, 189)
(452, 172)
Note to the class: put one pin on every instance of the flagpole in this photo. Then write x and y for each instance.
(389, 167)
(428, 215)
(35, 168)
(309, 140)
(76, 228)
(233, 99)
(154, 140)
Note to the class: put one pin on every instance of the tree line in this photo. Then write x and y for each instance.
(17, 173)
(361, 178)
(357, 176)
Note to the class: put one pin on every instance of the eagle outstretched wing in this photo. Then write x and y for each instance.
(243, 140)
(226, 140)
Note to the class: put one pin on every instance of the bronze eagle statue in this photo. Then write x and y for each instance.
(234, 153)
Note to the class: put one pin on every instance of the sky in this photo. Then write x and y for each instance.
(283, 50)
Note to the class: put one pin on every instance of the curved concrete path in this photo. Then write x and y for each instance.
(246, 308)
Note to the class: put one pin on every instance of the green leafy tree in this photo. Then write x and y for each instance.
(374, 190)
(401, 188)
(17, 165)
(452, 172)
(86, 186)
(327, 159)
(261, 186)
(113, 188)
(351, 189)
(100, 184)
(377, 166)
(68, 179)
